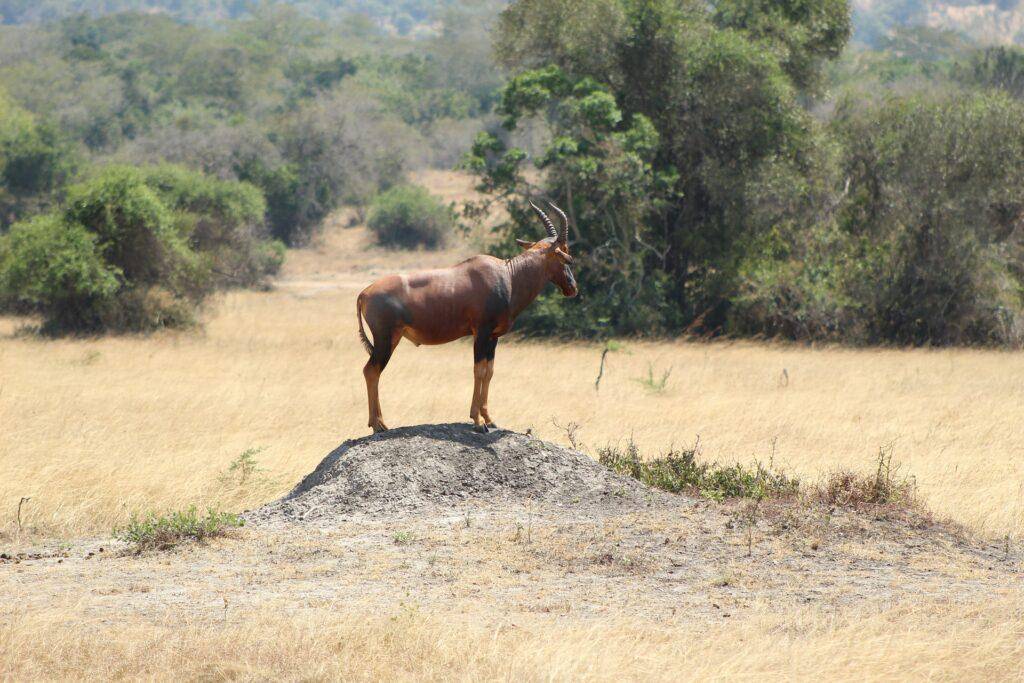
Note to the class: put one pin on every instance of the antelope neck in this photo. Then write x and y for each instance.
(527, 276)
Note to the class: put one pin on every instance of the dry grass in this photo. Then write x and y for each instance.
(933, 642)
(95, 429)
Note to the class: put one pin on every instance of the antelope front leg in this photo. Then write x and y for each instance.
(484, 387)
(479, 372)
(483, 368)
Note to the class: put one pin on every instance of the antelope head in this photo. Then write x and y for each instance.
(554, 250)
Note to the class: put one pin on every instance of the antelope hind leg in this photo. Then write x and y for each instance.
(372, 371)
(372, 374)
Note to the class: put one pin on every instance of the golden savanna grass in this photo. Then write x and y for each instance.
(930, 641)
(92, 430)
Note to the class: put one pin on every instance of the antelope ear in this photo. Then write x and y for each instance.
(525, 244)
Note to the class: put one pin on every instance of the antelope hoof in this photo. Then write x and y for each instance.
(379, 427)
(491, 425)
(481, 428)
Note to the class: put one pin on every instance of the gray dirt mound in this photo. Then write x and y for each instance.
(441, 465)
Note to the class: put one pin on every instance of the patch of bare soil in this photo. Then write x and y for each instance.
(502, 526)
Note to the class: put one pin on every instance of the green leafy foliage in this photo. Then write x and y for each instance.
(35, 161)
(134, 249)
(934, 252)
(48, 264)
(999, 67)
(679, 471)
(666, 118)
(923, 250)
(404, 17)
(312, 114)
(409, 216)
(162, 532)
(243, 470)
(224, 221)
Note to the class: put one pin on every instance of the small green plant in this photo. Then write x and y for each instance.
(403, 537)
(243, 469)
(161, 532)
(652, 383)
(680, 470)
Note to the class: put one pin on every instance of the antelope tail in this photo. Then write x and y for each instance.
(362, 335)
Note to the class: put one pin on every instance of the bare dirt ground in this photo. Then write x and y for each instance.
(503, 526)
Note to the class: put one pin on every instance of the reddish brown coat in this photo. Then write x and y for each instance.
(480, 297)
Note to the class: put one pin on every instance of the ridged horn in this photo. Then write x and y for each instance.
(565, 222)
(548, 225)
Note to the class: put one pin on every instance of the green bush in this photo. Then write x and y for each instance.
(135, 229)
(681, 471)
(923, 247)
(161, 532)
(409, 216)
(136, 249)
(35, 161)
(932, 219)
(225, 222)
(58, 268)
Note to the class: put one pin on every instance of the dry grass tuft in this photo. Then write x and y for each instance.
(931, 641)
(886, 486)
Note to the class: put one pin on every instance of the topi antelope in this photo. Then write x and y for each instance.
(480, 296)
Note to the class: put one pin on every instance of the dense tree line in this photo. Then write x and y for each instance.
(305, 114)
(311, 116)
(712, 190)
(402, 16)
(731, 167)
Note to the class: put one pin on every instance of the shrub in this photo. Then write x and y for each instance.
(35, 161)
(936, 196)
(136, 249)
(341, 147)
(136, 231)
(409, 216)
(225, 221)
(57, 267)
(161, 532)
(681, 471)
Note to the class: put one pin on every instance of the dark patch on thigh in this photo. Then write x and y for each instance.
(388, 311)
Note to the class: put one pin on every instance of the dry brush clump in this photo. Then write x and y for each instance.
(681, 470)
(885, 487)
